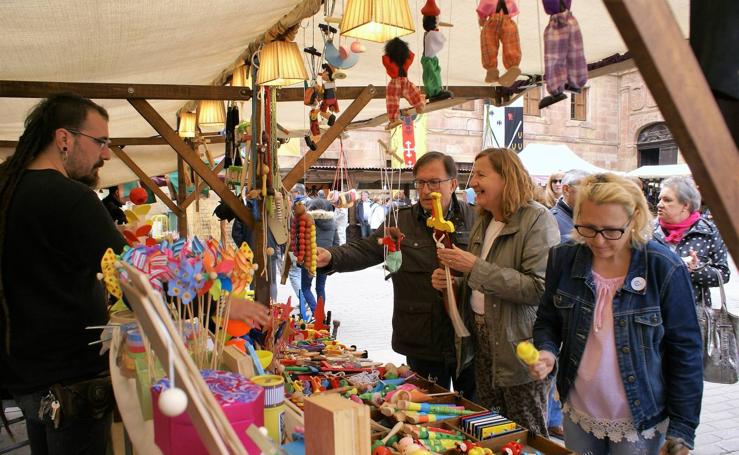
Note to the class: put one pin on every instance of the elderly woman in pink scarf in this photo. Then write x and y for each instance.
(690, 235)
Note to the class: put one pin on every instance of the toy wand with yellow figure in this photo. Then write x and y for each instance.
(442, 236)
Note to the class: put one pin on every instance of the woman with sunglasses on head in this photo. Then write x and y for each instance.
(553, 191)
(617, 319)
(502, 284)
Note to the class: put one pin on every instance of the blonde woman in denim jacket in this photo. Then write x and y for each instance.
(617, 320)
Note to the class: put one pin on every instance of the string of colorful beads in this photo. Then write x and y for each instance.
(303, 233)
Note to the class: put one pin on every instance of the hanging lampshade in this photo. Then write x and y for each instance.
(377, 20)
(211, 115)
(241, 77)
(187, 124)
(280, 64)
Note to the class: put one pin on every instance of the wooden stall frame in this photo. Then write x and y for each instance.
(684, 98)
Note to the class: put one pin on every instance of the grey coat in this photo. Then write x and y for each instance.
(512, 279)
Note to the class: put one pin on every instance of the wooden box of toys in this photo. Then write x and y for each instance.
(513, 441)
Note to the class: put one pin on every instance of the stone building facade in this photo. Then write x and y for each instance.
(614, 124)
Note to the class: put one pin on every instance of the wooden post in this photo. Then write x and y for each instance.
(187, 154)
(146, 180)
(675, 79)
(296, 173)
(181, 193)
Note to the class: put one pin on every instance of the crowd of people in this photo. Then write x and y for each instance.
(608, 294)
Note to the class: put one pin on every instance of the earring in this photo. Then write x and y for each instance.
(64, 154)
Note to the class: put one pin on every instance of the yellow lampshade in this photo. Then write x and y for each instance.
(187, 124)
(211, 115)
(241, 77)
(377, 20)
(280, 64)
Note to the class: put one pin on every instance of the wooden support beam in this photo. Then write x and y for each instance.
(350, 93)
(181, 192)
(189, 155)
(201, 186)
(329, 136)
(649, 29)
(35, 89)
(146, 180)
(124, 141)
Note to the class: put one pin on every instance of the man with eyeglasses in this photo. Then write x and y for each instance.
(422, 330)
(52, 236)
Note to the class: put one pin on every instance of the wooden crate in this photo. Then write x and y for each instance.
(527, 438)
(336, 426)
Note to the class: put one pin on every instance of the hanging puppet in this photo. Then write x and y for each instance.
(565, 66)
(392, 240)
(433, 42)
(329, 101)
(315, 130)
(494, 16)
(397, 59)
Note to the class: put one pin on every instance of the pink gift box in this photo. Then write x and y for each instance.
(241, 400)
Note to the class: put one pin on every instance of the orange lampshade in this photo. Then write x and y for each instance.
(280, 64)
(187, 124)
(377, 20)
(211, 115)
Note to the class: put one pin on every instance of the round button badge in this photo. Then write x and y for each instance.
(638, 283)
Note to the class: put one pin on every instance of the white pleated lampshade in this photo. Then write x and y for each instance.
(377, 20)
(280, 64)
(211, 115)
(241, 77)
(187, 124)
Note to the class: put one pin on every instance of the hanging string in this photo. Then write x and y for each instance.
(448, 63)
(540, 39)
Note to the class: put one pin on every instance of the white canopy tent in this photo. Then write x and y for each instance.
(660, 172)
(190, 42)
(543, 160)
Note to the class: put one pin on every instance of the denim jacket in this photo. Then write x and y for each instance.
(656, 332)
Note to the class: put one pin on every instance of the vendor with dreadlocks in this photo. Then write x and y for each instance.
(50, 291)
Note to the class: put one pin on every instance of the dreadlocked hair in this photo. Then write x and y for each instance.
(62, 110)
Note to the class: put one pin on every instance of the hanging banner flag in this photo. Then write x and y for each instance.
(408, 141)
(503, 126)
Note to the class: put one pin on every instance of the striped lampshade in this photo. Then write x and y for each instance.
(211, 115)
(280, 64)
(187, 124)
(377, 20)
(241, 77)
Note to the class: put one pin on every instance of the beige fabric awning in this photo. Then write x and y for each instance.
(193, 42)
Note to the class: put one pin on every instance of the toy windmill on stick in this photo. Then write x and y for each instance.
(442, 236)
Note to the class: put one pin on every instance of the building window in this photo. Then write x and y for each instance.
(531, 100)
(467, 106)
(579, 105)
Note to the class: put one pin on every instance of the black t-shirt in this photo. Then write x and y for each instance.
(56, 233)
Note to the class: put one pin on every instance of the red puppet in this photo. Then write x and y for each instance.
(397, 59)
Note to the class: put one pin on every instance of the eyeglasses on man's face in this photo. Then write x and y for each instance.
(433, 184)
(589, 232)
(102, 142)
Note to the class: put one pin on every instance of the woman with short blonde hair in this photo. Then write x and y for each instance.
(502, 284)
(612, 189)
(617, 318)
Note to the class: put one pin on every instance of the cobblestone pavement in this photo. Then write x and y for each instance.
(362, 301)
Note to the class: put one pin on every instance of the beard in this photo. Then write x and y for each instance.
(91, 178)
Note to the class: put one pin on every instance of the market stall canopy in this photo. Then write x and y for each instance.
(660, 172)
(543, 160)
(195, 43)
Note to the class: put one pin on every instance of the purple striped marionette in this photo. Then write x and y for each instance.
(565, 66)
